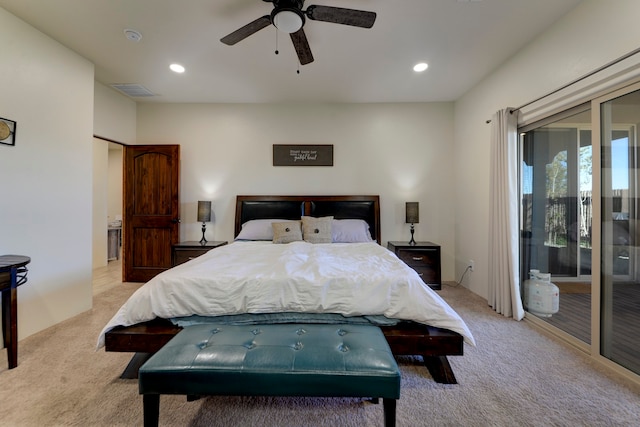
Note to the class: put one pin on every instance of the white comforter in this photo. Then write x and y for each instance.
(352, 279)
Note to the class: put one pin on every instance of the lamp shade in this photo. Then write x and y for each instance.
(413, 216)
(204, 211)
(288, 20)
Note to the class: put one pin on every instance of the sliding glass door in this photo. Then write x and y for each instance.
(620, 284)
(579, 223)
(556, 216)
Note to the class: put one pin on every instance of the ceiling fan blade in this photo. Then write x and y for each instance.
(302, 47)
(339, 15)
(247, 30)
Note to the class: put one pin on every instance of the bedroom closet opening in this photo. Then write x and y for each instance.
(107, 213)
(579, 216)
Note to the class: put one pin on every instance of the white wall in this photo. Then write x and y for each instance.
(592, 35)
(114, 115)
(402, 152)
(46, 193)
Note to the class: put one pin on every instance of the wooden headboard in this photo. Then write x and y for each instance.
(292, 207)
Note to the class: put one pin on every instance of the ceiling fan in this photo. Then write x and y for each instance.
(288, 16)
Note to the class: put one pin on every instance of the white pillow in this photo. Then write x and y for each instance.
(350, 231)
(258, 229)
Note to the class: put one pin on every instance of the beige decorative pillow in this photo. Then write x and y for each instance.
(317, 230)
(286, 232)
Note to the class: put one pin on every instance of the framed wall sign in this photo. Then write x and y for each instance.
(7, 132)
(302, 155)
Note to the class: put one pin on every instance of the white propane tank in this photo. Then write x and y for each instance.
(533, 274)
(543, 297)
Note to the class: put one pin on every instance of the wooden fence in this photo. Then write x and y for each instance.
(569, 219)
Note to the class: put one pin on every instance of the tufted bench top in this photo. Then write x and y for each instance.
(274, 360)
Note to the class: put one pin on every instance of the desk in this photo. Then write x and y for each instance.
(13, 273)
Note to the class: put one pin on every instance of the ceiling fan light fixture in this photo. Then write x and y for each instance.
(288, 20)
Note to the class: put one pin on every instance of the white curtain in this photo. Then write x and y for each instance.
(504, 276)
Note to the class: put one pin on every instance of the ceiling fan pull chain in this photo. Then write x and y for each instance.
(277, 52)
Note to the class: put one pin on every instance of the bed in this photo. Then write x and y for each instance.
(142, 325)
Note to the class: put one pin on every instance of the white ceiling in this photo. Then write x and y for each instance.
(462, 40)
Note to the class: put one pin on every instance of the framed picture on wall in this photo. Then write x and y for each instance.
(7, 132)
(302, 155)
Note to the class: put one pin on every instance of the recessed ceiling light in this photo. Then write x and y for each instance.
(176, 68)
(420, 67)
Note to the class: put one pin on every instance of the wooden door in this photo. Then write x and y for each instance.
(151, 209)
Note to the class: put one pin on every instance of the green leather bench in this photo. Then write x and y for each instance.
(273, 360)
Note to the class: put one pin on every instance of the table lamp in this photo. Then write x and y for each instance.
(412, 217)
(204, 216)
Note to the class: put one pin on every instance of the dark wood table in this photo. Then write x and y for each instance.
(423, 257)
(13, 273)
(186, 251)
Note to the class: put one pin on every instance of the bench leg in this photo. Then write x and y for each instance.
(389, 406)
(151, 409)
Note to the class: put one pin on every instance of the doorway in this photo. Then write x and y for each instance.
(107, 212)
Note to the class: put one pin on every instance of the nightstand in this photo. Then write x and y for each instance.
(423, 257)
(185, 251)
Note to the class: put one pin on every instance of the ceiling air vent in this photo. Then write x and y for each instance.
(133, 90)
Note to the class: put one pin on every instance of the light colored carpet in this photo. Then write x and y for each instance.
(516, 376)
